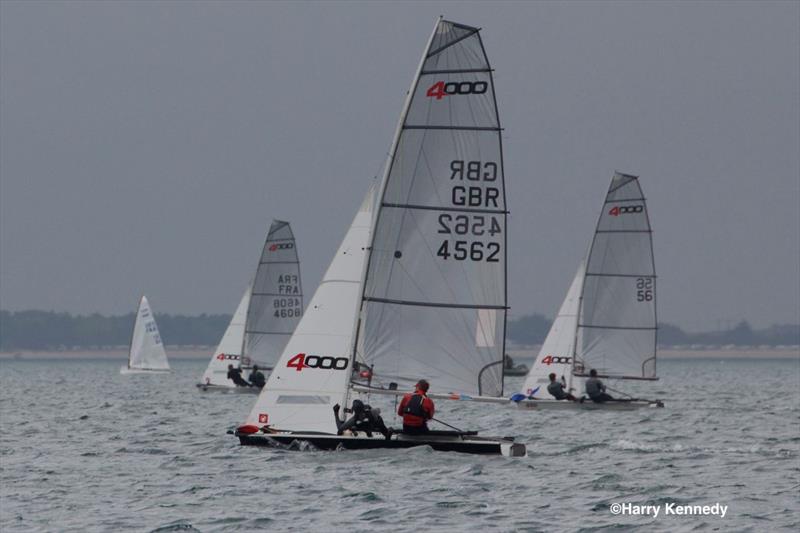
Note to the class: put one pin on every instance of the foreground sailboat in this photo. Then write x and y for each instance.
(147, 351)
(417, 288)
(266, 315)
(607, 321)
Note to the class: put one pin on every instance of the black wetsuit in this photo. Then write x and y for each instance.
(257, 379)
(363, 419)
(235, 375)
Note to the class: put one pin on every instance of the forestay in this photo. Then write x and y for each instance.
(616, 332)
(556, 353)
(313, 372)
(434, 301)
(228, 350)
(147, 350)
(276, 300)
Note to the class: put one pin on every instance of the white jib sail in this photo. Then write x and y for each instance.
(555, 355)
(617, 320)
(276, 300)
(434, 302)
(313, 373)
(227, 352)
(147, 350)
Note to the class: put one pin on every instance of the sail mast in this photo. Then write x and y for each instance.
(382, 184)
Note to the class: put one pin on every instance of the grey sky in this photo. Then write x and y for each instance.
(145, 147)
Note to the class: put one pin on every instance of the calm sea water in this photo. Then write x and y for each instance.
(83, 448)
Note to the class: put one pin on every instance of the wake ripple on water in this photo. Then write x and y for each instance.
(153, 456)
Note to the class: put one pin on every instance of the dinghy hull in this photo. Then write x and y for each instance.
(443, 441)
(125, 370)
(206, 387)
(588, 405)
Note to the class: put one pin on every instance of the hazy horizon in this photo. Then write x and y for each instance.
(146, 147)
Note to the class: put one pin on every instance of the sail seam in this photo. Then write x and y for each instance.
(641, 199)
(430, 304)
(618, 327)
(278, 263)
(435, 208)
(465, 128)
(624, 231)
(620, 275)
(456, 71)
(451, 43)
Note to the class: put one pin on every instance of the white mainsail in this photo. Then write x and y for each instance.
(556, 353)
(313, 372)
(616, 331)
(147, 350)
(434, 298)
(276, 298)
(228, 350)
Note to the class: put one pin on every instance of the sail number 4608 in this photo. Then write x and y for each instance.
(301, 361)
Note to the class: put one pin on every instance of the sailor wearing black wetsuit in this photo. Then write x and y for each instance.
(416, 409)
(235, 375)
(257, 378)
(364, 418)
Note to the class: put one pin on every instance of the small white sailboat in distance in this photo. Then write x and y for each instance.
(418, 286)
(266, 315)
(146, 353)
(607, 321)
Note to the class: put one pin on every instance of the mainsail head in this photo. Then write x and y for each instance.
(147, 350)
(434, 302)
(276, 299)
(616, 333)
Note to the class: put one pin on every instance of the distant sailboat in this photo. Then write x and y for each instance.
(607, 321)
(418, 287)
(266, 315)
(146, 351)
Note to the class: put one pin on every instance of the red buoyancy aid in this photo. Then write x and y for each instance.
(416, 409)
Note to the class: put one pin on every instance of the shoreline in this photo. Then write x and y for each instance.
(524, 354)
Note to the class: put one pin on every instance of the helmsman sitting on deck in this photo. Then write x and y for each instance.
(595, 388)
(235, 375)
(364, 418)
(556, 389)
(416, 409)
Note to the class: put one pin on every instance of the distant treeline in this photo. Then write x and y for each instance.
(47, 330)
(532, 329)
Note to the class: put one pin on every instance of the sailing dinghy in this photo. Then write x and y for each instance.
(266, 315)
(418, 286)
(607, 321)
(146, 353)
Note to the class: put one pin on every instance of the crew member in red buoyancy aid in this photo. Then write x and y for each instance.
(416, 409)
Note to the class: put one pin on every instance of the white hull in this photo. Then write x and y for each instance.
(230, 390)
(588, 405)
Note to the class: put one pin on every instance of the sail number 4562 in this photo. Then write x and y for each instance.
(474, 251)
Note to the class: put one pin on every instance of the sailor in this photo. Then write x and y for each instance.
(364, 418)
(508, 362)
(256, 378)
(595, 388)
(235, 375)
(556, 389)
(416, 409)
